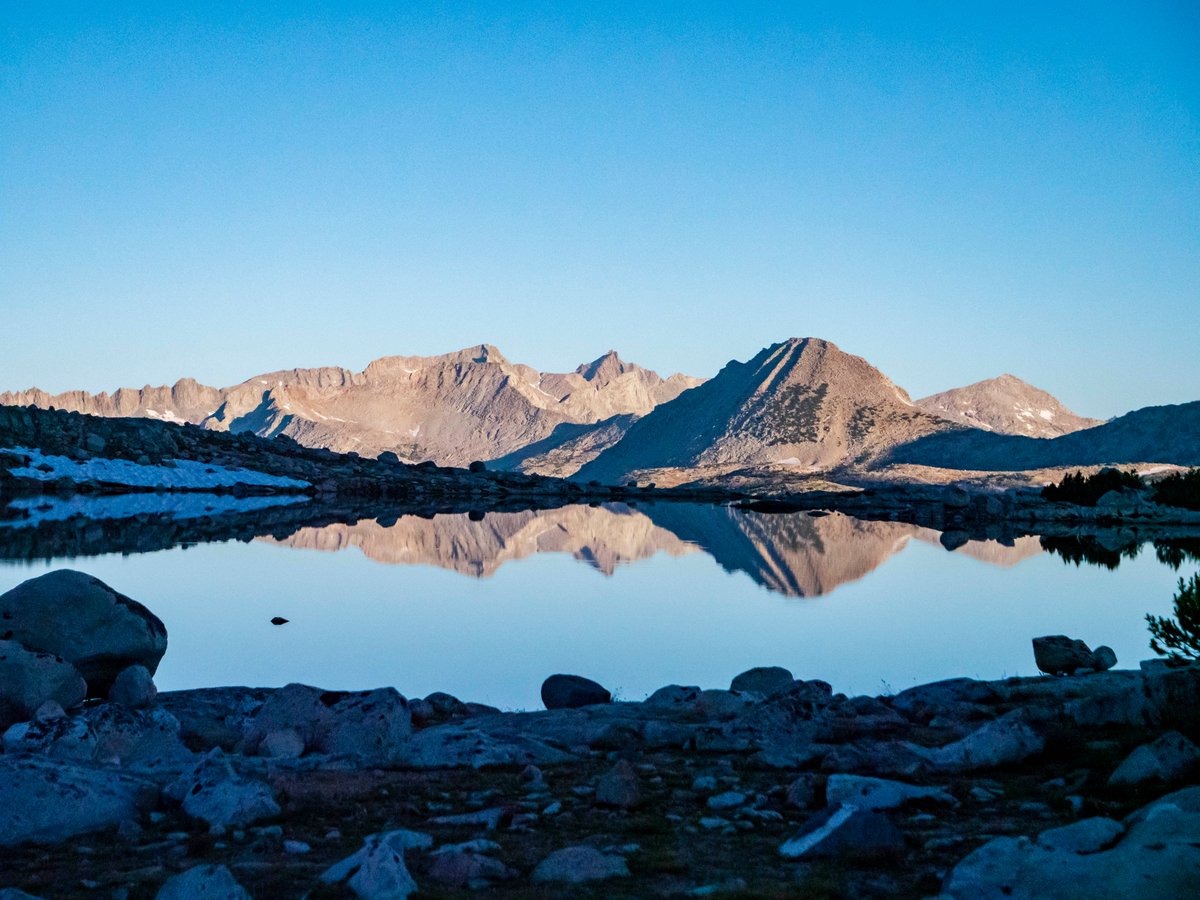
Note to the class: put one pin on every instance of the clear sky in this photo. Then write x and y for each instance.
(950, 190)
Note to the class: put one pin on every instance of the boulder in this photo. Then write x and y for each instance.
(1085, 836)
(468, 865)
(1167, 759)
(203, 883)
(213, 792)
(844, 831)
(48, 801)
(446, 706)
(145, 741)
(572, 692)
(133, 687)
(377, 871)
(370, 726)
(1157, 858)
(1001, 742)
(29, 678)
(83, 620)
(575, 865)
(1103, 658)
(283, 744)
(295, 706)
(672, 696)
(619, 787)
(880, 793)
(765, 680)
(1058, 654)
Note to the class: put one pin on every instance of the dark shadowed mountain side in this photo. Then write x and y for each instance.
(453, 408)
(567, 448)
(1006, 405)
(1156, 434)
(801, 403)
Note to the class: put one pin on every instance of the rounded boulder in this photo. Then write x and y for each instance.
(572, 691)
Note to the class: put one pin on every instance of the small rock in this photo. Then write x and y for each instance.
(619, 787)
(802, 792)
(575, 865)
(279, 620)
(29, 679)
(298, 848)
(213, 792)
(727, 800)
(203, 883)
(572, 692)
(1168, 758)
(673, 695)
(133, 687)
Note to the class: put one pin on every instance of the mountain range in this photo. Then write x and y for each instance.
(799, 406)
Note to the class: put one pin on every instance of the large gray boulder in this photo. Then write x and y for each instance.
(1157, 858)
(203, 883)
(29, 678)
(370, 726)
(48, 801)
(572, 691)
(83, 620)
(1001, 742)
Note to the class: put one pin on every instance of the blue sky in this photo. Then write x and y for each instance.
(950, 190)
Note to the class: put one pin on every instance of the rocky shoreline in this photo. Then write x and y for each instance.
(1078, 785)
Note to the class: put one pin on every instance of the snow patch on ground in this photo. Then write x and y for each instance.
(187, 474)
(126, 506)
(1047, 415)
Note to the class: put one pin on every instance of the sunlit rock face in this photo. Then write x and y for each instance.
(1006, 405)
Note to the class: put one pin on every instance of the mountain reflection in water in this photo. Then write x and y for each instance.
(795, 554)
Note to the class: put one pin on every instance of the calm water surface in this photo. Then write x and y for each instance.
(635, 598)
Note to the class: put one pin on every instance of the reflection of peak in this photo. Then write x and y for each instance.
(793, 554)
(604, 537)
(991, 552)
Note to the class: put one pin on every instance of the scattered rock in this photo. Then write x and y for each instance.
(879, 793)
(575, 865)
(371, 726)
(572, 692)
(999, 743)
(28, 679)
(446, 706)
(765, 680)
(844, 831)
(673, 695)
(619, 787)
(279, 620)
(283, 744)
(1167, 759)
(726, 800)
(83, 620)
(802, 792)
(203, 883)
(133, 687)
(467, 865)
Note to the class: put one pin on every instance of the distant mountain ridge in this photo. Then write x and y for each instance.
(453, 408)
(1006, 405)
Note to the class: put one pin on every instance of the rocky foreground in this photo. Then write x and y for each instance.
(1076, 785)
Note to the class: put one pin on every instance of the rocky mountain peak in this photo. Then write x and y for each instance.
(1006, 404)
(605, 368)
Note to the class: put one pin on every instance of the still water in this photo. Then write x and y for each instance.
(486, 608)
